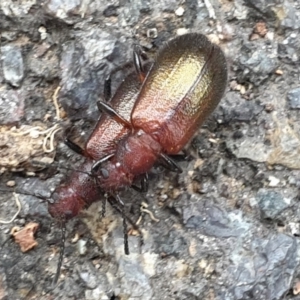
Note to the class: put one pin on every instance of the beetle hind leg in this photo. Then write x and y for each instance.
(98, 163)
(138, 54)
(106, 108)
(77, 149)
(107, 88)
(144, 185)
(170, 163)
(61, 254)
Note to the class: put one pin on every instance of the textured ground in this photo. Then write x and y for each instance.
(228, 226)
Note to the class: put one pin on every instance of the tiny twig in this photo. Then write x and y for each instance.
(16, 214)
(147, 211)
(54, 98)
(50, 137)
(211, 11)
(32, 131)
(139, 221)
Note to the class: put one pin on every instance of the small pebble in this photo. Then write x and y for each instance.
(181, 31)
(273, 181)
(10, 183)
(179, 11)
(152, 33)
(81, 246)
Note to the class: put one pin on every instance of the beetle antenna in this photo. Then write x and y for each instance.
(24, 193)
(123, 214)
(104, 207)
(61, 254)
(45, 165)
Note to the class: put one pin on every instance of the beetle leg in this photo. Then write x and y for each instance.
(103, 207)
(182, 155)
(119, 207)
(74, 147)
(107, 88)
(61, 254)
(144, 185)
(138, 54)
(106, 108)
(170, 164)
(97, 164)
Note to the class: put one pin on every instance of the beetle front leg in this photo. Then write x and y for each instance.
(107, 88)
(97, 164)
(77, 149)
(170, 164)
(144, 185)
(117, 203)
(137, 61)
(106, 108)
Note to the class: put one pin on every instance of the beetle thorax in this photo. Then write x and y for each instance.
(135, 155)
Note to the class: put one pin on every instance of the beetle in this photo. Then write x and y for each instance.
(183, 86)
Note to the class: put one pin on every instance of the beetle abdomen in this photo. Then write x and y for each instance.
(183, 87)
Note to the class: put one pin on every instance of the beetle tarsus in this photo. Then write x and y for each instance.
(144, 185)
(125, 232)
(77, 149)
(107, 88)
(140, 69)
(103, 208)
(118, 205)
(170, 164)
(61, 254)
(97, 164)
(106, 108)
